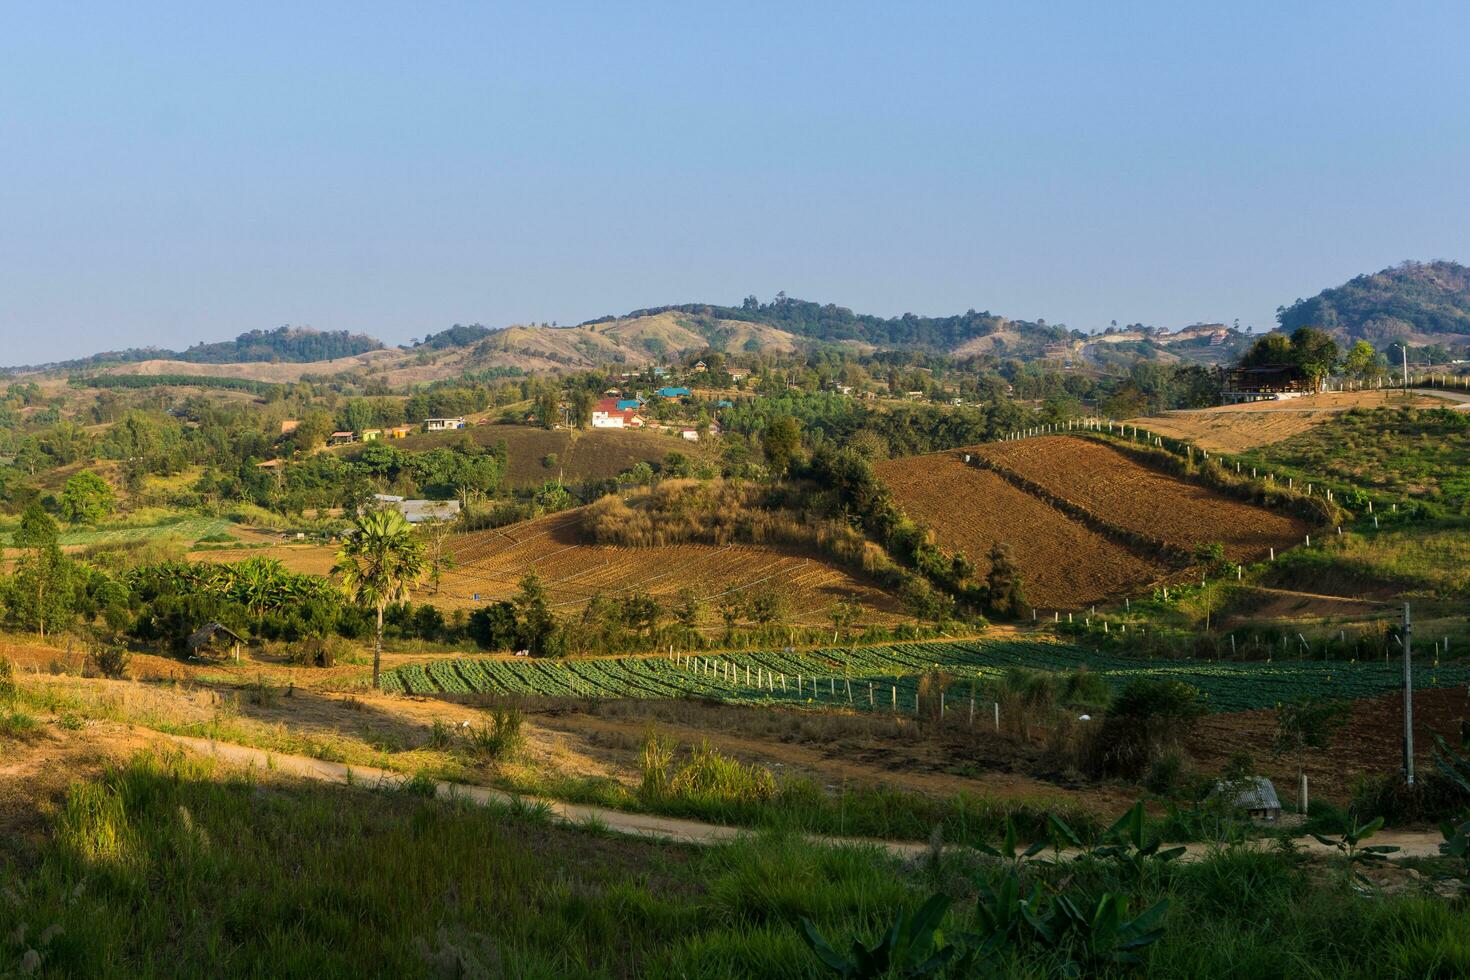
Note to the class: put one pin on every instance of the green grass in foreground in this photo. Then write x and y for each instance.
(170, 868)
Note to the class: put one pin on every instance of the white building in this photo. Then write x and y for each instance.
(607, 415)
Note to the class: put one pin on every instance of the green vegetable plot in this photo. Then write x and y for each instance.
(880, 677)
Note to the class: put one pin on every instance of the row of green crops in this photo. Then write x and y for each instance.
(879, 677)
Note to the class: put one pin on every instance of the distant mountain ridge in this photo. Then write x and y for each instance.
(1425, 302)
(1420, 302)
(286, 345)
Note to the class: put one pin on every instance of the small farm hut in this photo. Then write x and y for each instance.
(1254, 794)
(213, 636)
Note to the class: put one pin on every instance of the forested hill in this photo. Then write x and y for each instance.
(829, 323)
(1423, 301)
(293, 345)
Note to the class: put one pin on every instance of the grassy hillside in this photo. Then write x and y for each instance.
(1418, 453)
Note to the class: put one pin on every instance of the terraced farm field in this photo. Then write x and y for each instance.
(877, 677)
(1106, 482)
(490, 564)
(1063, 561)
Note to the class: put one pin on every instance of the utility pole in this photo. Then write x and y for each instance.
(1405, 348)
(1408, 701)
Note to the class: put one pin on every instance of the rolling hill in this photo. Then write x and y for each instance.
(1421, 302)
(652, 336)
(635, 341)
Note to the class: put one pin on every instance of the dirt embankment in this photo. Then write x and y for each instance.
(1370, 741)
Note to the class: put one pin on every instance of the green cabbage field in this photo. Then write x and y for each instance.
(882, 677)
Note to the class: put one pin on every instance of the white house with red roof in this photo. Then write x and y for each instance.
(606, 414)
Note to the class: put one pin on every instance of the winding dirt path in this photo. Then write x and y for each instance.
(648, 826)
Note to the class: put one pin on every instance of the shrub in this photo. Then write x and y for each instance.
(711, 776)
(1148, 716)
(111, 661)
(501, 737)
(706, 779)
(9, 692)
(1166, 773)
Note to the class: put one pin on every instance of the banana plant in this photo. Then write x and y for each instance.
(1356, 854)
(1006, 918)
(1100, 932)
(1063, 837)
(1088, 933)
(1126, 842)
(912, 946)
(1009, 849)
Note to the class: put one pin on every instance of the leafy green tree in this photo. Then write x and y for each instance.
(553, 497)
(1127, 402)
(493, 627)
(548, 408)
(1270, 350)
(1362, 361)
(685, 610)
(640, 612)
(312, 431)
(781, 441)
(536, 624)
(86, 498)
(580, 404)
(1003, 583)
(1315, 352)
(378, 565)
(768, 607)
(42, 587)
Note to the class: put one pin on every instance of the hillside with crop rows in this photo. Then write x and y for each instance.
(1123, 492)
(491, 563)
(1063, 561)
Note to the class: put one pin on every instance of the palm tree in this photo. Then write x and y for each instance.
(380, 562)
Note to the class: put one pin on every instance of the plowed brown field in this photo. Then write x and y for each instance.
(1127, 494)
(1063, 562)
(491, 563)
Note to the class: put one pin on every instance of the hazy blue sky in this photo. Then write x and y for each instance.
(171, 173)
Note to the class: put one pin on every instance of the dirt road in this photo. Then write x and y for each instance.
(1410, 843)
